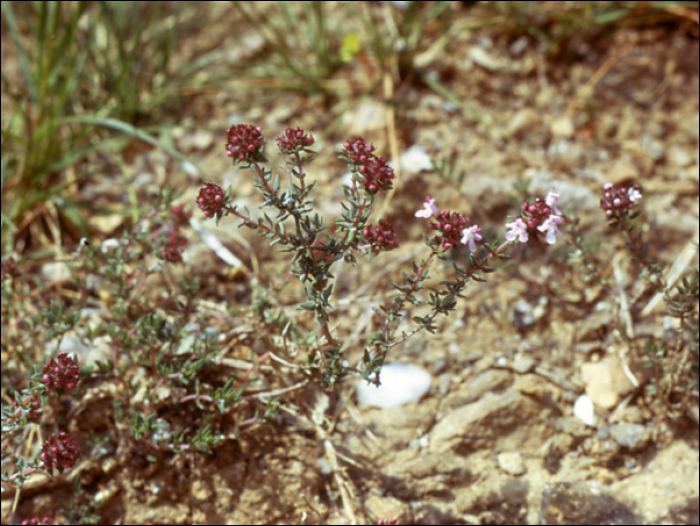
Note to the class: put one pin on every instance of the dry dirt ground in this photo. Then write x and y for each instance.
(494, 441)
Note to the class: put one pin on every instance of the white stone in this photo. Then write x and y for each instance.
(415, 160)
(401, 383)
(484, 59)
(511, 462)
(584, 410)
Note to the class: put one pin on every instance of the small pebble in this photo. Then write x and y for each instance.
(401, 384)
(584, 410)
(511, 463)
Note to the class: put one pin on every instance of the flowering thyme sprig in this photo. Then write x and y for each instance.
(174, 246)
(619, 203)
(60, 375)
(314, 252)
(300, 231)
(537, 220)
(371, 171)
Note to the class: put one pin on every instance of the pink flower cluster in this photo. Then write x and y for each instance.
(375, 172)
(537, 220)
(174, 246)
(212, 200)
(180, 216)
(245, 141)
(60, 452)
(294, 140)
(61, 373)
(9, 268)
(454, 227)
(381, 237)
(32, 521)
(617, 201)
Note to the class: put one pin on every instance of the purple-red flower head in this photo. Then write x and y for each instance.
(61, 373)
(9, 268)
(451, 226)
(36, 520)
(377, 175)
(381, 237)
(212, 200)
(375, 172)
(357, 152)
(174, 246)
(245, 142)
(294, 140)
(454, 227)
(60, 452)
(617, 201)
(538, 220)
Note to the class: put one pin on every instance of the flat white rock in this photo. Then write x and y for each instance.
(584, 410)
(415, 160)
(401, 384)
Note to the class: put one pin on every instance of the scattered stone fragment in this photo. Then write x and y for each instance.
(583, 503)
(519, 45)
(594, 327)
(415, 160)
(606, 381)
(632, 436)
(512, 463)
(401, 384)
(523, 121)
(679, 156)
(563, 128)
(474, 425)
(482, 58)
(584, 411)
(522, 363)
(388, 508)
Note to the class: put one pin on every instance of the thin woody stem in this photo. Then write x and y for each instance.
(266, 228)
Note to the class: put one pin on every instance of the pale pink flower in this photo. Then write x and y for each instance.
(517, 229)
(550, 227)
(634, 194)
(429, 208)
(551, 201)
(470, 235)
(607, 186)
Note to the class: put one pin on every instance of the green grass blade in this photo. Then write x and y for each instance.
(132, 131)
(22, 54)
